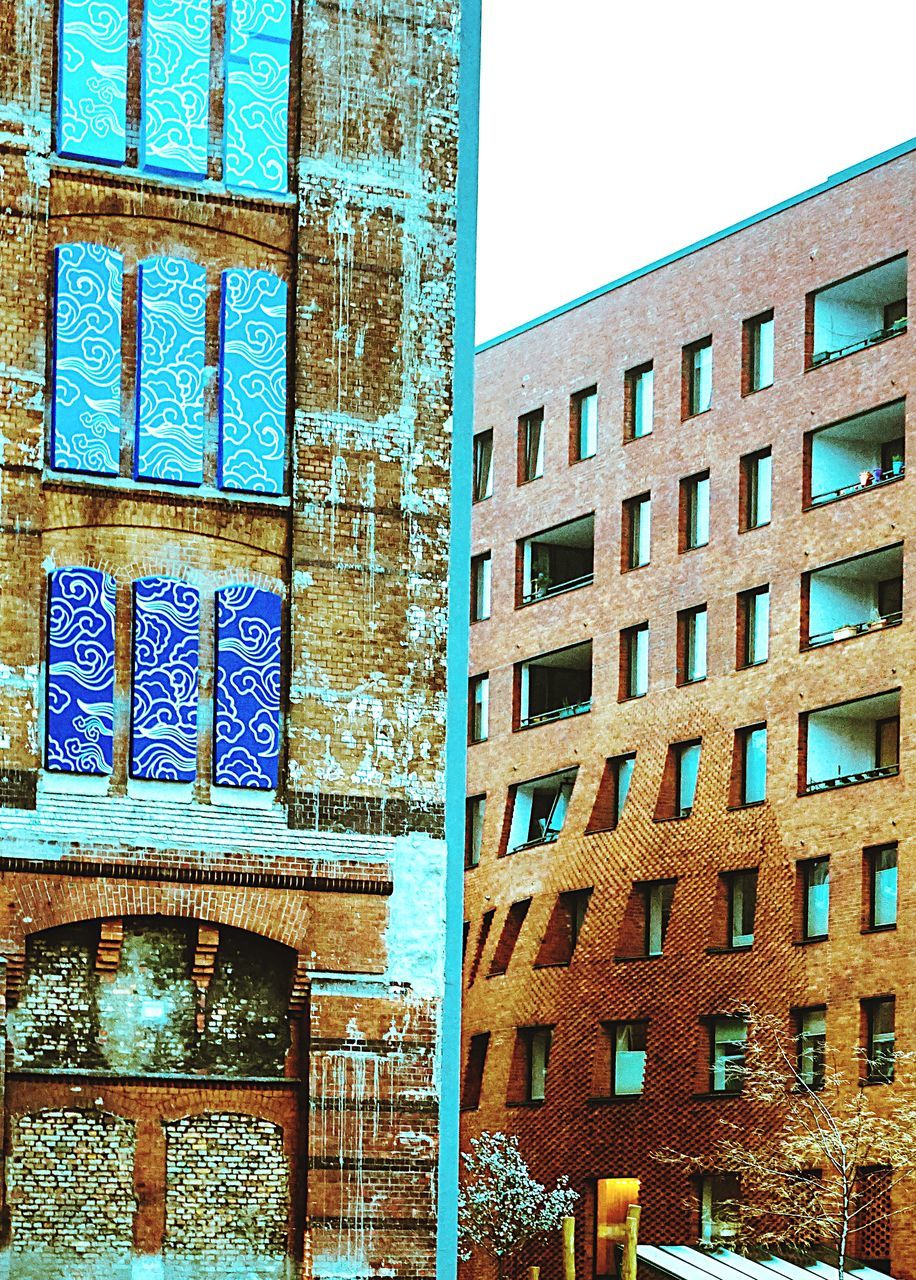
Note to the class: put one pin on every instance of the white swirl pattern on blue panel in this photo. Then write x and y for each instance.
(257, 94)
(170, 371)
(176, 86)
(80, 692)
(165, 664)
(247, 721)
(86, 421)
(92, 85)
(252, 401)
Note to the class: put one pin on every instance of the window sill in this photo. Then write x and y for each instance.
(726, 950)
(675, 817)
(527, 1102)
(614, 1099)
(752, 528)
(125, 486)
(820, 359)
(475, 502)
(635, 439)
(688, 417)
(586, 457)
(631, 959)
(686, 684)
(523, 480)
(552, 964)
(700, 546)
(632, 697)
(749, 666)
(634, 568)
(868, 1082)
(531, 844)
(754, 391)
(857, 629)
(716, 1095)
(135, 176)
(745, 804)
(496, 973)
(552, 592)
(810, 942)
(879, 928)
(553, 717)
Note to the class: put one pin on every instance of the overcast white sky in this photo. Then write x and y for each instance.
(613, 132)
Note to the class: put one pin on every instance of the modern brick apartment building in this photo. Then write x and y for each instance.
(691, 650)
(227, 291)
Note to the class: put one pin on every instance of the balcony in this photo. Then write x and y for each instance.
(538, 810)
(559, 559)
(858, 312)
(848, 743)
(554, 685)
(853, 597)
(858, 453)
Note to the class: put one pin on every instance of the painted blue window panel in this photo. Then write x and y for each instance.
(257, 94)
(252, 401)
(92, 84)
(176, 87)
(86, 412)
(170, 371)
(163, 744)
(247, 721)
(81, 671)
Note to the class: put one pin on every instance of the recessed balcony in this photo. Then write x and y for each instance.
(858, 453)
(559, 559)
(853, 597)
(538, 810)
(554, 685)
(848, 743)
(858, 312)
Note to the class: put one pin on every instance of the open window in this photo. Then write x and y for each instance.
(531, 446)
(636, 540)
(563, 929)
(612, 793)
(583, 425)
(512, 927)
(554, 685)
(639, 388)
(559, 559)
(538, 809)
(857, 312)
(850, 742)
(855, 454)
(679, 781)
(854, 596)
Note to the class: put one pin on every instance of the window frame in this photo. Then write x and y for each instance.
(631, 663)
(687, 647)
(637, 516)
(808, 867)
(723, 1060)
(879, 1065)
(633, 399)
(872, 855)
(576, 404)
(641, 1027)
(739, 885)
(748, 603)
(542, 1035)
(692, 377)
(482, 465)
(531, 462)
(479, 708)
(807, 1048)
(482, 586)
(749, 490)
(751, 348)
(692, 516)
(473, 829)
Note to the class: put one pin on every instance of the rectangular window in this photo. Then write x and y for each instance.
(92, 83)
(637, 532)
(882, 878)
(728, 1042)
(634, 662)
(812, 1046)
(555, 560)
(175, 109)
(473, 1072)
(584, 425)
(756, 490)
(758, 353)
(531, 446)
(475, 812)
(815, 878)
(629, 1058)
(257, 95)
(856, 312)
(687, 766)
(742, 905)
(166, 650)
(855, 454)
(694, 514)
(483, 465)
(538, 809)
(481, 586)
(692, 645)
(538, 1055)
(80, 671)
(697, 378)
(659, 895)
(639, 393)
(850, 742)
(880, 1043)
(479, 708)
(553, 686)
(752, 760)
(246, 717)
(719, 1207)
(753, 626)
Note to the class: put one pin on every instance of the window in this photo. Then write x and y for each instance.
(628, 1062)
(658, 896)
(753, 627)
(879, 1051)
(481, 586)
(483, 465)
(634, 662)
(554, 685)
(687, 765)
(852, 597)
(538, 809)
(176, 87)
(637, 532)
(697, 378)
(758, 353)
(812, 1046)
(79, 717)
(486, 924)
(613, 1197)
(531, 446)
(638, 402)
(855, 454)
(479, 708)
(751, 760)
(246, 736)
(692, 645)
(728, 1041)
(694, 515)
(475, 812)
(612, 793)
(584, 425)
(756, 490)
(850, 742)
(881, 864)
(515, 918)
(719, 1207)
(86, 405)
(556, 560)
(92, 108)
(257, 95)
(473, 1072)
(563, 929)
(815, 880)
(856, 312)
(538, 1054)
(166, 645)
(742, 905)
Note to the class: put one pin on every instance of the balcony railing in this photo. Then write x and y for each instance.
(543, 591)
(870, 340)
(855, 629)
(849, 779)
(875, 477)
(557, 713)
(549, 837)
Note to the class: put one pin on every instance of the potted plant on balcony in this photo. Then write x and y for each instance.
(896, 464)
(844, 633)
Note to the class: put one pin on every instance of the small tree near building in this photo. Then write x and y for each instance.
(818, 1169)
(501, 1207)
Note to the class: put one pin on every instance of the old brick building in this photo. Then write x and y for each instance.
(691, 649)
(227, 292)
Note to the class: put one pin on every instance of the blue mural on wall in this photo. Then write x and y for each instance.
(86, 412)
(247, 719)
(170, 371)
(176, 87)
(80, 687)
(92, 80)
(257, 94)
(252, 400)
(166, 651)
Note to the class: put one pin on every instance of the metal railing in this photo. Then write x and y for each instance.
(850, 629)
(871, 483)
(549, 837)
(556, 588)
(870, 339)
(557, 713)
(849, 779)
